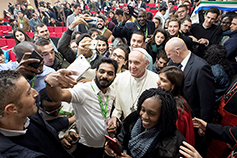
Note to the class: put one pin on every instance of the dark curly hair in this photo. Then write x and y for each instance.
(216, 54)
(169, 114)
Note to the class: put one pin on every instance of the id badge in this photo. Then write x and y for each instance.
(21, 26)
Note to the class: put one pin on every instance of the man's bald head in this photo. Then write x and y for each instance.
(24, 47)
(176, 49)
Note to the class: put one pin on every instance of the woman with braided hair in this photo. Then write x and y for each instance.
(151, 130)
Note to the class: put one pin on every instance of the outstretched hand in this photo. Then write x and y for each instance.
(201, 125)
(24, 67)
(61, 78)
(189, 151)
(80, 20)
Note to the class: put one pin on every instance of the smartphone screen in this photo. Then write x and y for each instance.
(116, 42)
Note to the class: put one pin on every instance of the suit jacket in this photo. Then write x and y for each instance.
(70, 20)
(199, 87)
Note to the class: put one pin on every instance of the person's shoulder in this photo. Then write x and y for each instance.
(47, 70)
(54, 38)
(152, 75)
(150, 22)
(121, 76)
(199, 62)
(196, 25)
(130, 24)
(9, 65)
(70, 16)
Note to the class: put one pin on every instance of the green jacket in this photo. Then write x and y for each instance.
(64, 46)
(59, 62)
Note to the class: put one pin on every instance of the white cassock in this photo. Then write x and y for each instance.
(128, 89)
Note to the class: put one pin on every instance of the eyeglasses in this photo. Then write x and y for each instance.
(53, 111)
(120, 57)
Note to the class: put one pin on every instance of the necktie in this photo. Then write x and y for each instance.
(180, 66)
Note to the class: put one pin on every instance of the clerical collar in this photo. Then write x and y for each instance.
(12, 133)
(141, 78)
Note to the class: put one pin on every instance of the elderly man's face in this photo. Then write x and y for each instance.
(137, 64)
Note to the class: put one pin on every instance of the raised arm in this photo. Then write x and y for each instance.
(56, 81)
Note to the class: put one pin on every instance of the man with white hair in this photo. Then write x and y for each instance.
(129, 85)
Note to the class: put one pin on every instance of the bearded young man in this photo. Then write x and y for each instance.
(92, 103)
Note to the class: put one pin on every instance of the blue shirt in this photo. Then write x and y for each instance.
(39, 81)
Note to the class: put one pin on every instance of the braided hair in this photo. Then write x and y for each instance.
(169, 115)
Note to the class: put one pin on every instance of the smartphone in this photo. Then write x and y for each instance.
(80, 66)
(91, 21)
(93, 45)
(116, 42)
(113, 144)
(35, 55)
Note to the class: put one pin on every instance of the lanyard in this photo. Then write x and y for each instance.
(103, 110)
(21, 21)
(54, 25)
(36, 21)
(42, 19)
(146, 31)
(103, 31)
(86, 27)
(33, 81)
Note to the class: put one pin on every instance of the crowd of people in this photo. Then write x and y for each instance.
(159, 85)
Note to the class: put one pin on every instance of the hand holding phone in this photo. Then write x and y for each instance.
(79, 66)
(113, 144)
(35, 55)
(93, 45)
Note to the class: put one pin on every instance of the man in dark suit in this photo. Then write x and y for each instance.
(43, 32)
(21, 125)
(198, 82)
